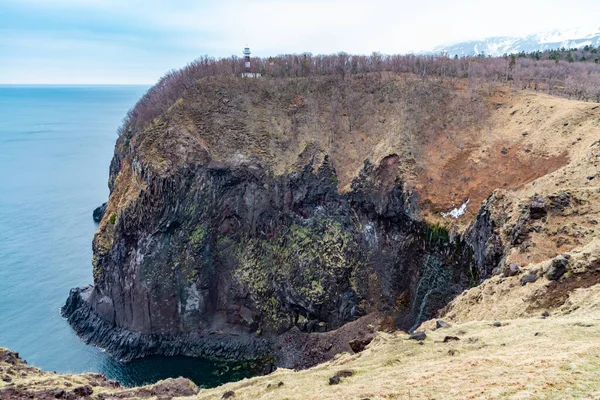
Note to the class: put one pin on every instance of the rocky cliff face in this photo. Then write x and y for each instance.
(237, 217)
(237, 254)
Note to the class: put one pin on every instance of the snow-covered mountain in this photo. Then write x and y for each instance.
(497, 46)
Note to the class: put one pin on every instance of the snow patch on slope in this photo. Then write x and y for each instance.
(457, 212)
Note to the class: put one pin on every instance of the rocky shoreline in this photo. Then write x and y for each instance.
(126, 345)
(294, 349)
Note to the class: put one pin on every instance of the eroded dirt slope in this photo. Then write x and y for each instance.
(529, 136)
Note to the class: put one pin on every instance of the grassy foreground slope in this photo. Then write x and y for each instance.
(552, 358)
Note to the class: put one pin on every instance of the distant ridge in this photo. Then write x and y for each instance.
(497, 46)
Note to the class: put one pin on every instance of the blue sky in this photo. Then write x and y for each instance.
(135, 42)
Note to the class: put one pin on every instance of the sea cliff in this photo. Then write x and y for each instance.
(282, 218)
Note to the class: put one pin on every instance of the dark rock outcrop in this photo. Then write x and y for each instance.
(126, 344)
(557, 268)
(218, 261)
(528, 278)
(485, 242)
(537, 207)
(418, 336)
(98, 213)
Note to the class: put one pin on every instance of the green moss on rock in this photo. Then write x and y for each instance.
(307, 260)
(198, 235)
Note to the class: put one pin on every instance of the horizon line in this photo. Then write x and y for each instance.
(75, 84)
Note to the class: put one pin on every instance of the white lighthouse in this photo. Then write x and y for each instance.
(247, 67)
(247, 59)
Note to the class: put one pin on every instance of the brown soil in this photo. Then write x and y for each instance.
(446, 183)
(556, 293)
(528, 136)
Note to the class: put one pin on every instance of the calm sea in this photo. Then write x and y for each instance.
(56, 143)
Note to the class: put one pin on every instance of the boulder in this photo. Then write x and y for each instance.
(529, 278)
(439, 324)
(450, 338)
(512, 270)
(418, 336)
(557, 268)
(334, 380)
(358, 345)
(561, 201)
(98, 213)
(345, 373)
(83, 391)
(537, 207)
(230, 394)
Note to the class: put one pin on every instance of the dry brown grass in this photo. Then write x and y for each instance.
(21, 381)
(554, 358)
(525, 358)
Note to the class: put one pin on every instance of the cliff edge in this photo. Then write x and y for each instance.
(255, 215)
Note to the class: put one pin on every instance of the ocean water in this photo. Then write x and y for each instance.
(56, 143)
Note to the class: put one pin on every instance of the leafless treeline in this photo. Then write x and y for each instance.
(580, 80)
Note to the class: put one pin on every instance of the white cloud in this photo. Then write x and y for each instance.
(359, 26)
(161, 35)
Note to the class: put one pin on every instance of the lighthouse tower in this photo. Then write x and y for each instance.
(247, 59)
(247, 68)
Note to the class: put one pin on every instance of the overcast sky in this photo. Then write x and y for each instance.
(137, 41)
